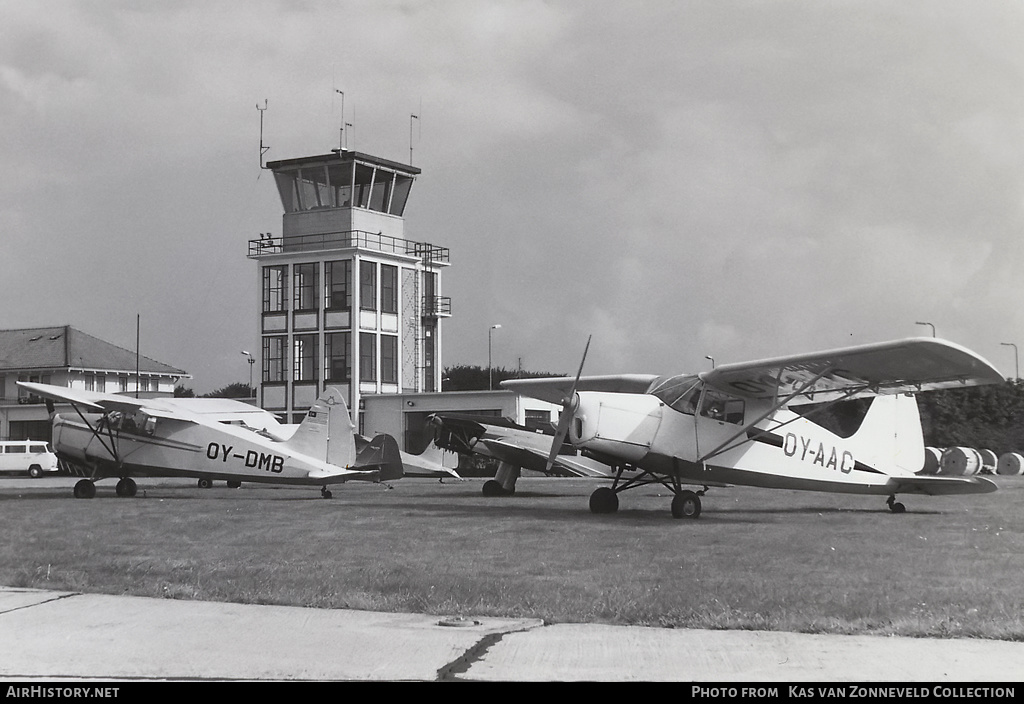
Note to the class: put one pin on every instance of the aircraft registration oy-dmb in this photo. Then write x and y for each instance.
(750, 423)
(120, 437)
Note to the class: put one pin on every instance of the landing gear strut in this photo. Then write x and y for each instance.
(894, 505)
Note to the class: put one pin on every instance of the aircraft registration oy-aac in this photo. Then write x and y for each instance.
(749, 423)
(115, 436)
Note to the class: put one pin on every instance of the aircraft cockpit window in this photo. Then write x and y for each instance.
(137, 423)
(718, 406)
(678, 392)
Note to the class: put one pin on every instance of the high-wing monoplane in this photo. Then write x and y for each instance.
(119, 436)
(516, 447)
(753, 423)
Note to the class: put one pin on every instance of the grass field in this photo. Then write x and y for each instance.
(756, 559)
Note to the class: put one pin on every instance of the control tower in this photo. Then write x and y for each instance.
(346, 300)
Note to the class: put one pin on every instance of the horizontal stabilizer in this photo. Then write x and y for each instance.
(381, 454)
(944, 486)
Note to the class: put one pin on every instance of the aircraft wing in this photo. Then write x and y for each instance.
(99, 401)
(535, 458)
(901, 366)
(554, 389)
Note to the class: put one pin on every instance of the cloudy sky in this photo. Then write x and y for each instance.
(739, 178)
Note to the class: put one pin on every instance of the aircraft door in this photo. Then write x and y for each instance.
(719, 418)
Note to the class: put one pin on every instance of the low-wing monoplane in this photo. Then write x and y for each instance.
(119, 436)
(516, 447)
(752, 423)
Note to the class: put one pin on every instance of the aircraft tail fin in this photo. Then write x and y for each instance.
(381, 454)
(327, 432)
(890, 436)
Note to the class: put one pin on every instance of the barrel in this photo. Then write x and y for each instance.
(1010, 463)
(959, 461)
(932, 455)
(988, 461)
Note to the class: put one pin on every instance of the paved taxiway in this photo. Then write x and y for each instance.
(66, 635)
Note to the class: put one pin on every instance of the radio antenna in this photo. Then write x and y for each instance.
(263, 149)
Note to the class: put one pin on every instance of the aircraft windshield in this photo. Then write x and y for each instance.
(137, 423)
(678, 392)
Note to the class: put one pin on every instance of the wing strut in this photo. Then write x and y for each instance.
(727, 444)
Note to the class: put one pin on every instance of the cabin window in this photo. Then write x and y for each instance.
(681, 393)
(722, 407)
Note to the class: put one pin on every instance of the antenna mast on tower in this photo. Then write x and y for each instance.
(263, 149)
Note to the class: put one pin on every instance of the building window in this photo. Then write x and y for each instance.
(306, 286)
(367, 285)
(388, 288)
(337, 351)
(389, 359)
(90, 382)
(304, 358)
(337, 289)
(122, 383)
(101, 383)
(274, 289)
(367, 356)
(274, 358)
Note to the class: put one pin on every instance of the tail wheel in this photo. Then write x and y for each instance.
(686, 504)
(604, 500)
(894, 505)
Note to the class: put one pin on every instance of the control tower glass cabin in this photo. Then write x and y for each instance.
(345, 299)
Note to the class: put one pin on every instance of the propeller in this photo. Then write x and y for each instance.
(565, 417)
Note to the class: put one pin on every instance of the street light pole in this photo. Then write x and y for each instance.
(707, 356)
(251, 363)
(490, 372)
(929, 324)
(1016, 365)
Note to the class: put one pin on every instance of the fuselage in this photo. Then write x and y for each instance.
(703, 436)
(168, 447)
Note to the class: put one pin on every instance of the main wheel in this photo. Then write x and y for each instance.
(205, 483)
(897, 507)
(493, 488)
(686, 504)
(234, 485)
(126, 487)
(604, 500)
(85, 489)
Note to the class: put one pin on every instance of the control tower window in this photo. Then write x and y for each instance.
(338, 284)
(274, 358)
(337, 351)
(340, 176)
(367, 285)
(388, 288)
(401, 194)
(306, 286)
(380, 196)
(363, 181)
(274, 288)
(304, 358)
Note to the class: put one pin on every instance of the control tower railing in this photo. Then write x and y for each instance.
(347, 240)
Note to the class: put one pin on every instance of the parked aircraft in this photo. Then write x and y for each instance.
(210, 439)
(515, 446)
(752, 423)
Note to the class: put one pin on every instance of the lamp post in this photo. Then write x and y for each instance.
(251, 362)
(490, 372)
(707, 356)
(930, 325)
(1016, 365)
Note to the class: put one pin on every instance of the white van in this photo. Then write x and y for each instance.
(31, 457)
